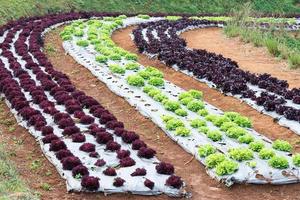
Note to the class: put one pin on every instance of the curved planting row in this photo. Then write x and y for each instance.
(89, 147)
(263, 92)
(224, 142)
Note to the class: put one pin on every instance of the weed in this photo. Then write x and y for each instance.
(272, 46)
(50, 49)
(35, 164)
(11, 185)
(11, 129)
(18, 141)
(78, 176)
(46, 186)
(7, 122)
(294, 60)
(231, 31)
(257, 38)
(48, 173)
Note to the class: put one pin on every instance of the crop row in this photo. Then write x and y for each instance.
(263, 92)
(223, 142)
(90, 148)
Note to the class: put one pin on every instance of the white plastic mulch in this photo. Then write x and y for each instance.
(153, 110)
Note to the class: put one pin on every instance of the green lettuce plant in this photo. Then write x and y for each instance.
(282, 145)
(203, 129)
(214, 135)
(115, 56)
(186, 100)
(206, 150)
(171, 105)
(256, 146)
(266, 153)
(226, 167)
(227, 125)
(150, 72)
(160, 97)
(117, 69)
(156, 81)
(195, 105)
(220, 120)
(196, 123)
(166, 118)
(135, 80)
(184, 95)
(174, 123)
(82, 43)
(153, 92)
(196, 94)
(214, 159)
(247, 138)
(235, 132)
(132, 66)
(241, 154)
(148, 88)
(131, 56)
(211, 117)
(203, 112)
(78, 33)
(182, 131)
(238, 119)
(181, 112)
(296, 159)
(278, 162)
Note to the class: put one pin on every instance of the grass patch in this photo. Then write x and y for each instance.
(272, 46)
(18, 141)
(279, 43)
(11, 129)
(36, 164)
(231, 31)
(50, 49)
(7, 122)
(48, 173)
(294, 60)
(45, 186)
(11, 185)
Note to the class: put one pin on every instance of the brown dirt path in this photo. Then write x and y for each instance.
(250, 58)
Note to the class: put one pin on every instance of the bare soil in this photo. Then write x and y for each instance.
(256, 60)
(199, 183)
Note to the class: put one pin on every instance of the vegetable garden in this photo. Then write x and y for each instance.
(95, 152)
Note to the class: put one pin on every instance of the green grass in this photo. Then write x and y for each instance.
(11, 185)
(279, 43)
(191, 6)
(272, 46)
(14, 9)
(45, 186)
(231, 31)
(294, 60)
(36, 164)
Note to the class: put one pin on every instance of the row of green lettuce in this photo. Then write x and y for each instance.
(150, 80)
